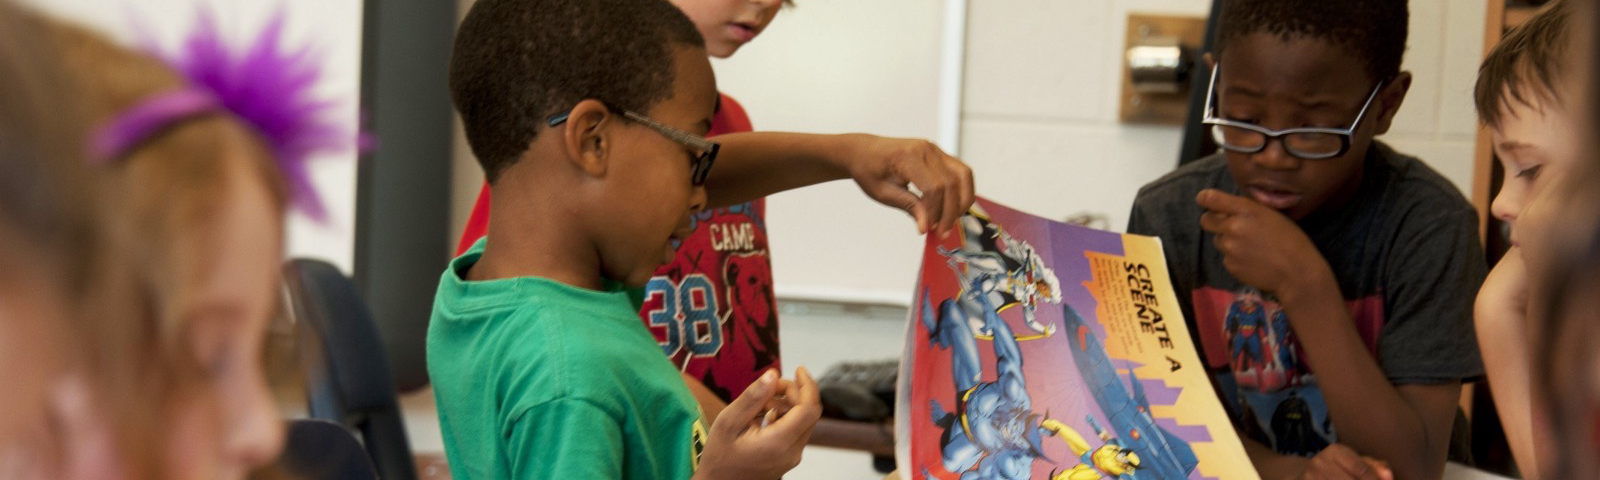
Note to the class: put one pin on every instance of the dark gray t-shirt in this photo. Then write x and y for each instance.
(1408, 261)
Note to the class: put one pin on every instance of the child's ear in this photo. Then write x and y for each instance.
(1388, 102)
(587, 143)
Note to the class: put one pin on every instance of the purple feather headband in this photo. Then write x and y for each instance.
(263, 85)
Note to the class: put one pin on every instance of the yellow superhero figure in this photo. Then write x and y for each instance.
(1110, 460)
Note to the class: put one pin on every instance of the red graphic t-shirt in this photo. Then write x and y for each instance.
(712, 308)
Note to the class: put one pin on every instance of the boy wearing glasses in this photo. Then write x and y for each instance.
(712, 308)
(1363, 259)
(589, 117)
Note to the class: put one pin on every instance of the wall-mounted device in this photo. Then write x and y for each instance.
(1160, 52)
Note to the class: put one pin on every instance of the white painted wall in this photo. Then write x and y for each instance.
(1039, 123)
(835, 66)
(1043, 82)
(331, 28)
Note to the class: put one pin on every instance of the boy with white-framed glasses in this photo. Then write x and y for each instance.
(1363, 259)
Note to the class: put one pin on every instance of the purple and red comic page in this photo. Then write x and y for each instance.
(1039, 349)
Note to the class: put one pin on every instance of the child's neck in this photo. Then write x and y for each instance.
(535, 236)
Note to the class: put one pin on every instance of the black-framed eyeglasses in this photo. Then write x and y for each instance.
(705, 151)
(1310, 143)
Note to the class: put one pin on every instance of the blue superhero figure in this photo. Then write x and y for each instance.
(993, 421)
(1245, 325)
(1283, 341)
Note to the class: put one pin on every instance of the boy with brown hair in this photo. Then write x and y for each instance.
(1524, 96)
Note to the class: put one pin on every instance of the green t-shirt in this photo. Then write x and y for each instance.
(538, 379)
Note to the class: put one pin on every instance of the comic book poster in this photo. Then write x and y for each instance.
(1043, 350)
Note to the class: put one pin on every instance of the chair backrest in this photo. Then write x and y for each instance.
(350, 382)
(323, 450)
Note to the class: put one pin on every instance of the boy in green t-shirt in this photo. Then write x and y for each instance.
(588, 118)
(541, 368)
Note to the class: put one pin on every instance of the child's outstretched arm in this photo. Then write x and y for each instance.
(757, 164)
(1408, 426)
(747, 442)
(1501, 319)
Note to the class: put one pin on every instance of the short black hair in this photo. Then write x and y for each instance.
(1373, 29)
(516, 62)
(1525, 65)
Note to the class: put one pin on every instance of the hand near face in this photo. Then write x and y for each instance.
(1260, 246)
(886, 167)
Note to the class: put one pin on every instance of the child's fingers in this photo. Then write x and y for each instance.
(1343, 459)
(933, 201)
(946, 185)
(772, 414)
(807, 387)
(743, 410)
(952, 179)
(811, 393)
(921, 164)
(807, 405)
(777, 405)
(1379, 468)
(968, 190)
(1217, 201)
(783, 399)
(893, 193)
(803, 389)
(1214, 222)
(798, 422)
(950, 186)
